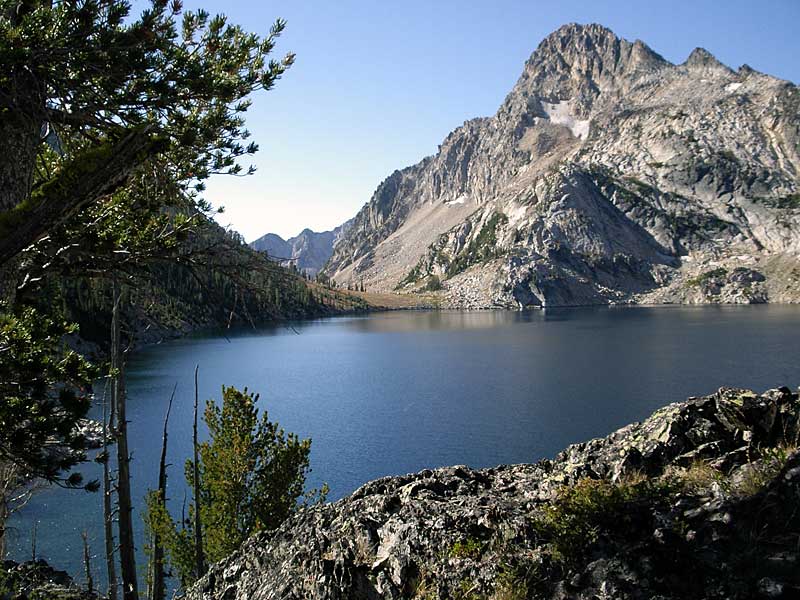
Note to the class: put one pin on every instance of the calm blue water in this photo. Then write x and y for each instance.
(398, 392)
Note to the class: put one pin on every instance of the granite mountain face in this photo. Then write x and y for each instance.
(608, 175)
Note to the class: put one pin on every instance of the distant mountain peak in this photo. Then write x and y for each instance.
(703, 59)
(273, 236)
(308, 250)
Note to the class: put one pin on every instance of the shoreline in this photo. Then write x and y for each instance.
(695, 474)
(215, 332)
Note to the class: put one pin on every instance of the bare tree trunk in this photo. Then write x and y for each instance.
(4, 514)
(108, 518)
(21, 122)
(87, 566)
(127, 550)
(33, 540)
(20, 127)
(198, 527)
(21, 137)
(158, 590)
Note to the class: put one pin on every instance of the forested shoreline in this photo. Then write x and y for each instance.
(113, 120)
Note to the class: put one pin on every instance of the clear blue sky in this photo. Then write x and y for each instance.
(378, 85)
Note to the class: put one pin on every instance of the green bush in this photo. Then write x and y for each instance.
(433, 284)
(583, 512)
(762, 472)
(480, 249)
(468, 548)
(718, 273)
(252, 477)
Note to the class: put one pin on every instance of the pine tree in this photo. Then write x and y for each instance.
(252, 475)
(110, 126)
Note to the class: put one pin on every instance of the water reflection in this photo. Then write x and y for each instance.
(397, 392)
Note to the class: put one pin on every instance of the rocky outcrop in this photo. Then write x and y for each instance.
(698, 501)
(620, 178)
(35, 580)
(308, 251)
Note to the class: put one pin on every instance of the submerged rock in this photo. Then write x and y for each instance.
(664, 508)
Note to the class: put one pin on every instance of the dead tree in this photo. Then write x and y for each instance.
(87, 566)
(198, 527)
(108, 514)
(127, 551)
(157, 589)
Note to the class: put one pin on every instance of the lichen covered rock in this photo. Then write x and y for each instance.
(698, 501)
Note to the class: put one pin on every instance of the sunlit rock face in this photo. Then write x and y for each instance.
(608, 175)
(698, 501)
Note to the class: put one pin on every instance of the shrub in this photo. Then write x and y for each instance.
(583, 512)
(758, 474)
(792, 201)
(698, 477)
(433, 284)
(514, 582)
(482, 248)
(468, 548)
(252, 477)
(718, 273)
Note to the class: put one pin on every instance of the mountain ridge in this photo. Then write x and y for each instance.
(691, 165)
(308, 251)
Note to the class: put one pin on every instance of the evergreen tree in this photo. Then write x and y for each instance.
(43, 387)
(252, 477)
(110, 125)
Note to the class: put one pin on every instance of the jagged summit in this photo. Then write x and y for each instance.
(577, 36)
(590, 51)
(700, 58)
(578, 64)
(607, 175)
(307, 251)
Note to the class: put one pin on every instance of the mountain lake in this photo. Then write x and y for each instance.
(397, 392)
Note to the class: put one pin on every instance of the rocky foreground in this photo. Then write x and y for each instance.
(702, 500)
(37, 580)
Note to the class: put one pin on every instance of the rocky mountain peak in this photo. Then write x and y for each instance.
(307, 251)
(608, 175)
(746, 70)
(581, 62)
(702, 59)
(593, 49)
(582, 37)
